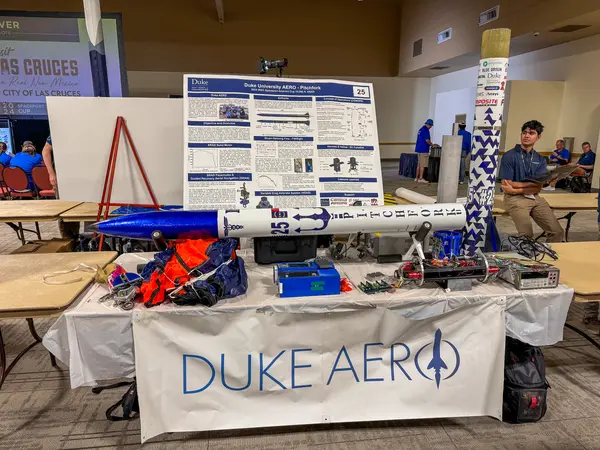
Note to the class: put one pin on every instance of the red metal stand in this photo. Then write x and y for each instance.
(110, 175)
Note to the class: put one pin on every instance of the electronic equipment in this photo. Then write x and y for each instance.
(454, 274)
(318, 277)
(527, 274)
(279, 64)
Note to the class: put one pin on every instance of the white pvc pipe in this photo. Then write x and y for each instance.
(414, 197)
(449, 169)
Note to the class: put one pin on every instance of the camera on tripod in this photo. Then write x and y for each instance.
(279, 64)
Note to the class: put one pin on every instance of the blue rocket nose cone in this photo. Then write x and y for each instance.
(172, 225)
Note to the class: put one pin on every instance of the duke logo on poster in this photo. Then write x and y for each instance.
(435, 361)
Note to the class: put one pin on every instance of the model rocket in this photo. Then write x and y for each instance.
(284, 221)
(93, 24)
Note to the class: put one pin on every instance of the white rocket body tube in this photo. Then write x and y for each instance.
(342, 220)
(284, 221)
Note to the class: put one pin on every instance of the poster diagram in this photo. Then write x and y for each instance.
(204, 159)
(257, 142)
(360, 122)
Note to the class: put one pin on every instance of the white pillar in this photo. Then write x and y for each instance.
(489, 105)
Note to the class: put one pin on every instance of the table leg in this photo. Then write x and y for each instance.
(2, 361)
(6, 370)
(33, 331)
(37, 230)
(21, 231)
(584, 334)
(22, 236)
(14, 228)
(568, 217)
(37, 338)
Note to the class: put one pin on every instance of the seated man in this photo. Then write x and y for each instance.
(521, 197)
(561, 155)
(27, 159)
(585, 165)
(5, 157)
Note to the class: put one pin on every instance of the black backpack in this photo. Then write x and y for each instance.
(525, 385)
(128, 403)
(579, 185)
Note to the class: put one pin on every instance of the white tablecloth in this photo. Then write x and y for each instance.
(95, 339)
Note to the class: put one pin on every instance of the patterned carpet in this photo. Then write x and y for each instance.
(38, 410)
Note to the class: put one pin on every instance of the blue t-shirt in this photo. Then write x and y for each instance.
(26, 162)
(466, 141)
(564, 153)
(5, 159)
(49, 140)
(587, 159)
(423, 136)
(517, 164)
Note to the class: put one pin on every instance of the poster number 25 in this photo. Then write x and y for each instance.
(360, 91)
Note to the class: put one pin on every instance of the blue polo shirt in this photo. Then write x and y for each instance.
(423, 136)
(26, 162)
(5, 159)
(587, 159)
(517, 164)
(466, 141)
(564, 153)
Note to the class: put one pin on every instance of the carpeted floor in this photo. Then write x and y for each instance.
(38, 410)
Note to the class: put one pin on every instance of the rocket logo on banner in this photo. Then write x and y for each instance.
(437, 363)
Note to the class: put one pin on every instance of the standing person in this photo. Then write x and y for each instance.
(5, 157)
(68, 230)
(466, 149)
(521, 197)
(47, 155)
(27, 159)
(422, 149)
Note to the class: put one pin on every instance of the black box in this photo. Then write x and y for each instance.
(284, 249)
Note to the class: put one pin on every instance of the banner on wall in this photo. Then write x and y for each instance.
(227, 370)
(262, 142)
(48, 55)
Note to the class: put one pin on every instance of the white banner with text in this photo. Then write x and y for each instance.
(245, 369)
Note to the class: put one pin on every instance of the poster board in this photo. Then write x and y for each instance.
(263, 142)
(82, 131)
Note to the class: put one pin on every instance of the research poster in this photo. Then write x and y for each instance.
(261, 142)
(49, 55)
